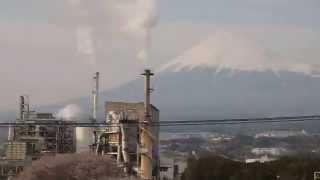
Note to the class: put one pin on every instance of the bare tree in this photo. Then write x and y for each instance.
(72, 167)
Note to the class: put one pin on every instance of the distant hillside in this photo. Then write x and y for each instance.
(201, 93)
(204, 93)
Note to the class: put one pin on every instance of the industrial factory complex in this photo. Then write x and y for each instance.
(128, 136)
(35, 135)
(121, 139)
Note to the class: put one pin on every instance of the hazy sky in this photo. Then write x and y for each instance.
(39, 43)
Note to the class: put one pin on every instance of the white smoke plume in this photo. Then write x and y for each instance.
(84, 31)
(85, 43)
(146, 21)
(132, 19)
(137, 18)
(139, 15)
(71, 112)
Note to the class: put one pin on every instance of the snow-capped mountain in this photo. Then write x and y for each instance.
(225, 50)
(226, 76)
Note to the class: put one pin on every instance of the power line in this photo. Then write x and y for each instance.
(244, 121)
(239, 122)
(314, 117)
(282, 119)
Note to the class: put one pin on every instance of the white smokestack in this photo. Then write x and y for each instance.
(10, 133)
(95, 95)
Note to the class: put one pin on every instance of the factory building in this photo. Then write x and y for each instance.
(120, 139)
(35, 135)
(43, 133)
(14, 161)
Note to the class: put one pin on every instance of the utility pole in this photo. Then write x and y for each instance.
(145, 133)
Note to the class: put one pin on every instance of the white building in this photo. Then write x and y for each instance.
(281, 134)
(268, 151)
(262, 159)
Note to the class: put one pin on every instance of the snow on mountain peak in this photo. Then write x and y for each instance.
(226, 50)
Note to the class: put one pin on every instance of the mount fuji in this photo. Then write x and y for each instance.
(229, 76)
(225, 76)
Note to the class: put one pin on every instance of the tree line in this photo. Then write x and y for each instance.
(218, 168)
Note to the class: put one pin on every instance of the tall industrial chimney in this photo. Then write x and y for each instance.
(21, 108)
(146, 139)
(24, 107)
(147, 93)
(95, 95)
(10, 133)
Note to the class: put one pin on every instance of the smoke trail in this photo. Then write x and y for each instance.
(141, 17)
(84, 31)
(70, 112)
(133, 19)
(73, 112)
(85, 43)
